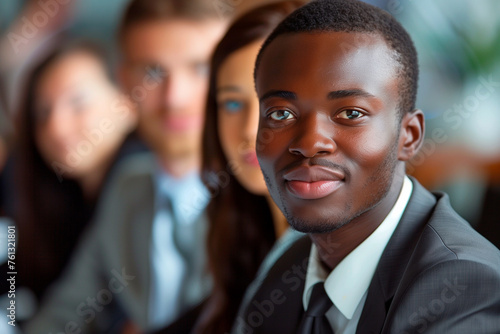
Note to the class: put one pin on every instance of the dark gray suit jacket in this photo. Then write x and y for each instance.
(436, 275)
(110, 273)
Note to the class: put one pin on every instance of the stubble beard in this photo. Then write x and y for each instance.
(383, 175)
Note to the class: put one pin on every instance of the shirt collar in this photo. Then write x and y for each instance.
(188, 195)
(350, 279)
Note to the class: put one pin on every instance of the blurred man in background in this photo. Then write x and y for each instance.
(142, 264)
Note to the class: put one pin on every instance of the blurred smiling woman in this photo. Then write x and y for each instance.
(71, 131)
(245, 222)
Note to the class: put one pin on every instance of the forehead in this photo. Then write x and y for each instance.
(336, 60)
(74, 69)
(239, 65)
(171, 40)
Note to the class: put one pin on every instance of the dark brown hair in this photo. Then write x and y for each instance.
(140, 11)
(241, 227)
(51, 211)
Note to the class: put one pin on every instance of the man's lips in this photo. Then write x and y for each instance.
(312, 182)
(183, 123)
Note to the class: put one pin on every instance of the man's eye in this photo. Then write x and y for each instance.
(201, 69)
(156, 72)
(232, 106)
(281, 115)
(350, 114)
(81, 101)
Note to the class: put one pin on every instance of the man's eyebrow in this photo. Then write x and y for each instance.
(338, 94)
(284, 94)
(228, 88)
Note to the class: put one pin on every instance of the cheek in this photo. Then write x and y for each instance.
(91, 117)
(271, 148)
(148, 102)
(369, 147)
(198, 91)
(47, 144)
(229, 131)
(371, 153)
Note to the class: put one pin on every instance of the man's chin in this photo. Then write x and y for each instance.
(316, 226)
(180, 152)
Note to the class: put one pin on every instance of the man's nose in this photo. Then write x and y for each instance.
(176, 91)
(314, 136)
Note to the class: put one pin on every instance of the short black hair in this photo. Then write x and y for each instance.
(359, 17)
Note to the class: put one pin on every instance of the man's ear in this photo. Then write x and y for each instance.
(412, 134)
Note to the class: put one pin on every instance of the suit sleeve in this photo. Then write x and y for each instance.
(457, 296)
(76, 302)
(90, 296)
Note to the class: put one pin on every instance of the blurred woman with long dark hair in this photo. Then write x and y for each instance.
(245, 222)
(70, 132)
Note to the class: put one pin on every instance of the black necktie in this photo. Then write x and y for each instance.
(314, 320)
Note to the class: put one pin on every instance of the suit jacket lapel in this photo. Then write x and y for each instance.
(135, 245)
(277, 305)
(126, 216)
(394, 260)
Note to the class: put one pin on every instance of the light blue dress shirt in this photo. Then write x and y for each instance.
(179, 278)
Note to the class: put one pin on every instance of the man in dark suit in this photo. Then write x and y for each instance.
(337, 82)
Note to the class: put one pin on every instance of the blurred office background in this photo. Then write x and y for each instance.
(459, 49)
(459, 53)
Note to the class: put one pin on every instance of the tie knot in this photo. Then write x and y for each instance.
(319, 303)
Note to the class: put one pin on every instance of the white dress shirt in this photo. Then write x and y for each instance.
(178, 275)
(347, 285)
